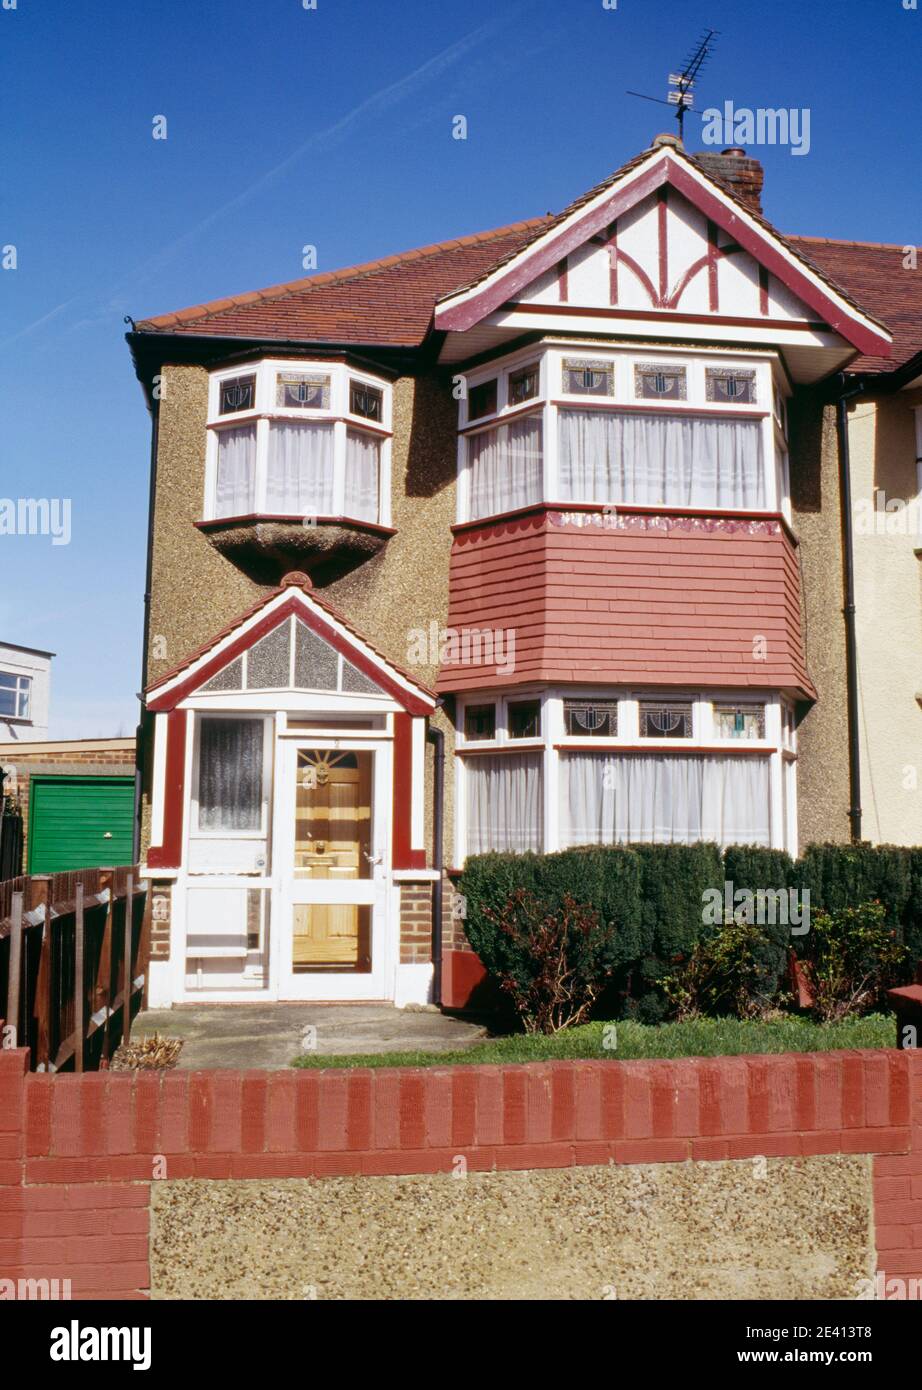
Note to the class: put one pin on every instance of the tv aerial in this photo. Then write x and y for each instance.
(682, 95)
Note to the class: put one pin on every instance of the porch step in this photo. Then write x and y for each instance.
(271, 1035)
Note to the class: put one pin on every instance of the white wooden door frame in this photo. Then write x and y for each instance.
(320, 985)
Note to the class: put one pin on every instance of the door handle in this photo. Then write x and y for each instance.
(375, 858)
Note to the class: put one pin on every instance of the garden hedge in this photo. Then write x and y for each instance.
(654, 895)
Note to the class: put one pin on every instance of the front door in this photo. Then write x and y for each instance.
(330, 869)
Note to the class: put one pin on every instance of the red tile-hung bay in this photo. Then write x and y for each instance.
(638, 597)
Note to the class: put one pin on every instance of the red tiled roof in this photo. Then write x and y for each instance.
(382, 302)
(873, 273)
(652, 601)
(390, 302)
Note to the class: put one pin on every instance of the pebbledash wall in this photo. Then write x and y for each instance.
(772, 1176)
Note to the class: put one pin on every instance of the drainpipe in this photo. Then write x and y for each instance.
(437, 738)
(139, 735)
(846, 393)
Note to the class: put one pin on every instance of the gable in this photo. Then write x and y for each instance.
(661, 238)
(290, 642)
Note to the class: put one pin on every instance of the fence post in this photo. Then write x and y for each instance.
(79, 990)
(103, 986)
(126, 960)
(38, 888)
(12, 993)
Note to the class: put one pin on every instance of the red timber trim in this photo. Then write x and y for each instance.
(267, 623)
(252, 518)
(563, 289)
(713, 283)
(168, 855)
(763, 290)
(662, 219)
(489, 523)
(505, 285)
(404, 855)
(613, 263)
(653, 746)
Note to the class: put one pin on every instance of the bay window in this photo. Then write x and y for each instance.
(686, 430)
(621, 767)
(299, 440)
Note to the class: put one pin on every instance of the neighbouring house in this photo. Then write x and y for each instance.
(25, 692)
(77, 800)
(528, 539)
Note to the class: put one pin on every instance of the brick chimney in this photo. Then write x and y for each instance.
(744, 175)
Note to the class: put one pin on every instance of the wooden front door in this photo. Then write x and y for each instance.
(332, 863)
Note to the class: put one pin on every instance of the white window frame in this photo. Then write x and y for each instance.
(550, 356)
(257, 833)
(554, 742)
(338, 415)
(22, 685)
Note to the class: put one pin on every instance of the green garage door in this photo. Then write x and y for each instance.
(79, 822)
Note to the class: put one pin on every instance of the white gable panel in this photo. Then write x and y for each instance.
(784, 304)
(738, 285)
(638, 237)
(541, 291)
(587, 276)
(687, 242)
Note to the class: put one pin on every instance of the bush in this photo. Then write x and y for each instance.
(552, 964)
(851, 957)
(725, 975)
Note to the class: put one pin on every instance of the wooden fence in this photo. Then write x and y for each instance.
(74, 951)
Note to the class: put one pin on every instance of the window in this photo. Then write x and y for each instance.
(588, 378)
(300, 454)
(366, 401)
(506, 467)
(15, 695)
(591, 718)
(665, 719)
(237, 393)
(302, 391)
(609, 799)
(235, 488)
(523, 384)
(481, 400)
(523, 719)
(504, 803)
(660, 460)
(659, 383)
(739, 721)
(230, 778)
(480, 722)
(735, 387)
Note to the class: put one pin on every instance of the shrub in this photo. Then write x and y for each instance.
(851, 956)
(552, 964)
(725, 974)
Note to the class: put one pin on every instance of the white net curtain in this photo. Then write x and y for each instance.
(299, 481)
(235, 492)
(660, 460)
(663, 799)
(504, 803)
(363, 456)
(506, 467)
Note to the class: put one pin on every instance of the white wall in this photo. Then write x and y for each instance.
(36, 665)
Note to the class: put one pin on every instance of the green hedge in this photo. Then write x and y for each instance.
(654, 896)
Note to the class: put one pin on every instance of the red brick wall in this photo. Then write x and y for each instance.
(415, 923)
(78, 1154)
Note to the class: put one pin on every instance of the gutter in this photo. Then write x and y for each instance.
(437, 738)
(846, 393)
(139, 736)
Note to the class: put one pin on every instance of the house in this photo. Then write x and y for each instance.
(25, 689)
(529, 539)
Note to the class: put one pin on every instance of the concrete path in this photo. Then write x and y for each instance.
(271, 1035)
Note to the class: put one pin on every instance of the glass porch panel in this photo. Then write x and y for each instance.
(332, 815)
(331, 936)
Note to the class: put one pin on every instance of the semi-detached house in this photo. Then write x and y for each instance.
(525, 540)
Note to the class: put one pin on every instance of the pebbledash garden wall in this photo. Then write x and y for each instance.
(790, 1176)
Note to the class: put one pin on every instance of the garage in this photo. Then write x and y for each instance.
(79, 822)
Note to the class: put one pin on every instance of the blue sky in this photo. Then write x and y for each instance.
(288, 126)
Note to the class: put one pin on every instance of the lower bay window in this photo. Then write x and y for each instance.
(617, 768)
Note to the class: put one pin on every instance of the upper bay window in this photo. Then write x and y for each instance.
(625, 429)
(298, 440)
